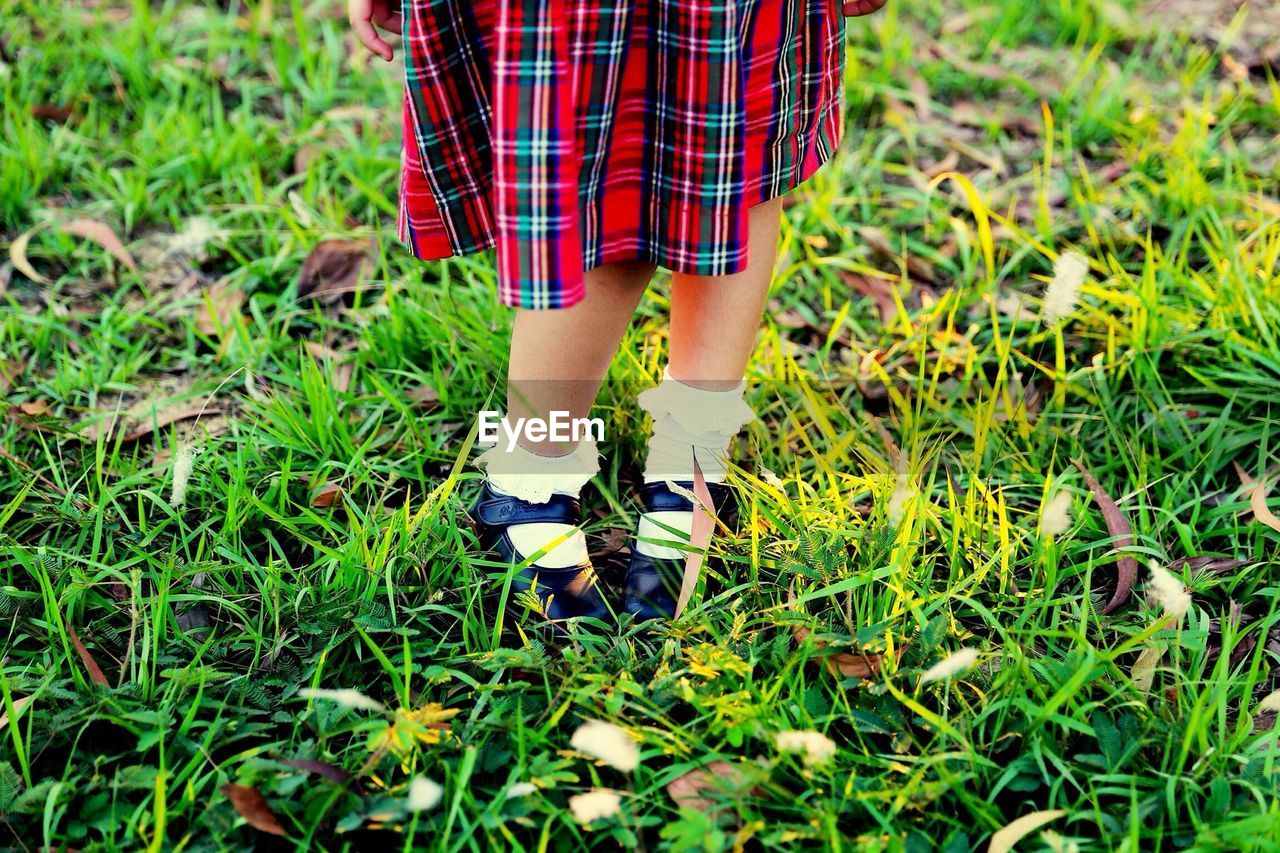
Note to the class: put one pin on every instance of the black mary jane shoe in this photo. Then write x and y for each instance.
(565, 593)
(652, 584)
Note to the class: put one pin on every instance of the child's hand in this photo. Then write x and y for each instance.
(853, 8)
(363, 14)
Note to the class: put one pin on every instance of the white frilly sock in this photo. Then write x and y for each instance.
(688, 422)
(533, 478)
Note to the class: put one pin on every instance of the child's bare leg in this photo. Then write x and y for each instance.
(715, 319)
(558, 360)
(698, 407)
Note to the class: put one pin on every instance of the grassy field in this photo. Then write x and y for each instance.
(224, 486)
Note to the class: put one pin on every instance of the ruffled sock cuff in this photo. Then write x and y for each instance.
(697, 410)
(524, 474)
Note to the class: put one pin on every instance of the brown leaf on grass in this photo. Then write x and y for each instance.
(877, 290)
(333, 268)
(253, 807)
(878, 241)
(327, 495)
(1118, 526)
(320, 768)
(1004, 840)
(340, 370)
(91, 666)
(690, 789)
(1257, 490)
(218, 308)
(145, 426)
(19, 705)
(949, 163)
(18, 256)
(33, 415)
(103, 236)
(699, 537)
(1206, 563)
(847, 664)
(424, 396)
(304, 156)
(52, 112)
(86, 228)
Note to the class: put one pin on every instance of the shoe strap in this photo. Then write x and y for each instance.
(498, 510)
(658, 497)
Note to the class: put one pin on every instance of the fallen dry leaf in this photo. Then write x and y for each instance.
(35, 408)
(424, 396)
(218, 308)
(52, 112)
(878, 290)
(103, 236)
(699, 538)
(18, 255)
(327, 495)
(340, 370)
(144, 426)
(18, 706)
(1004, 840)
(1207, 563)
(253, 807)
(320, 768)
(1118, 526)
(1144, 668)
(878, 241)
(689, 790)
(333, 268)
(847, 664)
(1258, 491)
(91, 666)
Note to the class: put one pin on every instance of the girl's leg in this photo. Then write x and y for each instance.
(699, 406)
(558, 361)
(715, 319)
(559, 358)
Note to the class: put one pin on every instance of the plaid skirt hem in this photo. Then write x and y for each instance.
(424, 228)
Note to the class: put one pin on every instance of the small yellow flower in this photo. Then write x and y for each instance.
(413, 728)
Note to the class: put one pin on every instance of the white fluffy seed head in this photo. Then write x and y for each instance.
(348, 698)
(594, 805)
(1055, 515)
(902, 493)
(951, 666)
(424, 794)
(607, 742)
(1063, 292)
(194, 238)
(1269, 704)
(1168, 591)
(815, 747)
(184, 462)
(521, 789)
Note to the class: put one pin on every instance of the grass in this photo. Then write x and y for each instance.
(917, 414)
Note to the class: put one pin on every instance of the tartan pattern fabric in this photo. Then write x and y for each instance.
(572, 133)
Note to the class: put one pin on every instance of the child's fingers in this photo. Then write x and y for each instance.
(391, 22)
(369, 38)
(862, 7)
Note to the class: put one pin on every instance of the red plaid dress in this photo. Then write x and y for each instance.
(573, 133)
